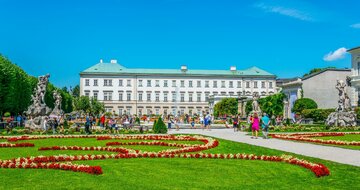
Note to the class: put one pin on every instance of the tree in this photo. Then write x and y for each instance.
(96, 106)
(82, 103)
(272, 105)
(227, 106)
(160, 126)
(303, 103)
(315, 70)
(76, 91)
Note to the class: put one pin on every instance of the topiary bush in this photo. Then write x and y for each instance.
(160, 126)
(303, 103)
(7, 114)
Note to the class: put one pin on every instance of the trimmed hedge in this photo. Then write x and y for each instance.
(303, 103)
(159, 126)
(317, 114)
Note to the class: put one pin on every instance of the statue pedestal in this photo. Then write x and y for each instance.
(341, 119)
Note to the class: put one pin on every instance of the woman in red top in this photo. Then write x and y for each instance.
(102, 120)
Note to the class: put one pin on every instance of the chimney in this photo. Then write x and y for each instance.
(113, 61)
(184, 68)
(233, 68)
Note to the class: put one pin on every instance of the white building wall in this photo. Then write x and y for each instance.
(135, 105)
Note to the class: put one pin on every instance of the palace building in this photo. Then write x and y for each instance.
(169, 91)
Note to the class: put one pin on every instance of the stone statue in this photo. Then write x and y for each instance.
(57, 105)
(38, 111)
(344, 116)
(255, 104)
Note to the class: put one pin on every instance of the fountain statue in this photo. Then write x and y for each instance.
(38, 112)
(344, 116)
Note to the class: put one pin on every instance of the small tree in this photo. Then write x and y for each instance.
(160, 126)
(303, 103)
(228, 106)
(154, 126)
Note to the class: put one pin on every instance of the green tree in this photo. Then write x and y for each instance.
(96, 107)
(303, 103)
(160, 126)
(76, 91)
(82, 103)
(272, 105)
(227, 106)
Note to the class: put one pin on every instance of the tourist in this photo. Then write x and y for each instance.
(87, 125)
(265, 122)
(19, 119)
(193, 124)
(255, 122)
(235, 123)
(116, 128)
(102, 121)
(208, 119)
(177, 123)
(169, 121)
(202, 122)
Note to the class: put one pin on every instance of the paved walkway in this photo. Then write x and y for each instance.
(340, 155)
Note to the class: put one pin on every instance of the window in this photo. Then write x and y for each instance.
(190, 84)
(157, 111)
(262, 84)
(120, 82)
(247, 84)
(190, 97)
(198, 84)
(182, 83)
(157, 83)
(148, 111)
(207, 96)
(95, 95)
(207, 84)
(182, 97)
(120, 96)
(215, 84)
(231, 84)
(222, 84)
(140, 97)
(128, 96)
(239, 84)
(198, 97)
(165, 83)
(148, 83)
(95, 82)
(270, 85)
(128, 111)
(87, 82)
(173, 83)
(128, 82)
(174, 97)
(255, 84)
(107, 82)
(120, 111)
(182, 112)
(87, 93)
(148, 97)
(107, 95)
(165, 97)
(157, 97)
(140, 83)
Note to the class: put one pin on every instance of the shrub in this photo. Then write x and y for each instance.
(137, 121)
(7, 114)
(357, 111)
(303, 103)
(317, 114)
(160, 126)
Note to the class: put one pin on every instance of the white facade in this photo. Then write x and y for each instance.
(355, 71)
(153, 93)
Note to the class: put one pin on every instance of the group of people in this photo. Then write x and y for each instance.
(205, 121)
(256, 121)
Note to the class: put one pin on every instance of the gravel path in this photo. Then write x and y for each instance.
(340, 155)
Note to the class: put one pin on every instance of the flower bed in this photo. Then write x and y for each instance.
(308, 137)
(187, 151)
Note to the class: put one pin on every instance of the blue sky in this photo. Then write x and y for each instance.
(286, 38)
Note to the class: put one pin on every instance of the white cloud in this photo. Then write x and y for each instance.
(294, 13)
(337, 54)
(357, 26)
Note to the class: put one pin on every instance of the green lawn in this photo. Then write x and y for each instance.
(350, 137)
(176, 173)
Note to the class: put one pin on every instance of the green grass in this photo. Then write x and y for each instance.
(177, 173)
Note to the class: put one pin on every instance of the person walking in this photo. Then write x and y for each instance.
(255, 126)
(87, 125)
(202, 122)
(265, 122)
(208, 121)
(169, 122)
(102, 121)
